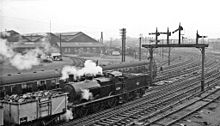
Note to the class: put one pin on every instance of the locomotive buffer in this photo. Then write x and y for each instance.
(196, 45)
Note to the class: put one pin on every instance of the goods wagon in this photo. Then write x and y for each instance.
(34, 106)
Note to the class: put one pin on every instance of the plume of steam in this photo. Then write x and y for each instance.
(67, 70)
(23, 61)
(67, 116)
(27, 60)
(5, 50)
(86, 94)
(89, 68)
(5, 34)
(47, 47)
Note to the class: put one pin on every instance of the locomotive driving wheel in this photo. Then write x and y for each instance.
(142, 92)
(96, 107)
(81, 112)
(111, 102)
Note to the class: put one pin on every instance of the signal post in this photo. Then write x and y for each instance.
(196, 45)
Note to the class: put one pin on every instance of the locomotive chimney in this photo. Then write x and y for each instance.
(71, 77)
(89, 76)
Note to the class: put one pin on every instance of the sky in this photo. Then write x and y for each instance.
(109, 16)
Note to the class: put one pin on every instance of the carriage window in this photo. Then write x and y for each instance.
(42, 82)
(49, 85)
(8, 90)
(57, 83)
(53, 81)
(41, 85)
(29, 86)
(48, 81)
(23, 86)
(14, 89)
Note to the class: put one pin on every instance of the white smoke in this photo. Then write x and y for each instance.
(67, 116)
(23, 61)
(89, 68)
(86, 94)
(47, 47)
(27, 60)
(67, 70)
(5, 50)
(5, 34)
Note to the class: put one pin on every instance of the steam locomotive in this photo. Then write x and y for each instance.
(95, 94)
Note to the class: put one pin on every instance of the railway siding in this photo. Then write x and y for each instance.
(185, 109)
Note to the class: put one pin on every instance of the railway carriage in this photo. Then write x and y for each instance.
(20, 83)
(134, 67)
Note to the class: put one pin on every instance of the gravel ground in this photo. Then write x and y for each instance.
(208, 116)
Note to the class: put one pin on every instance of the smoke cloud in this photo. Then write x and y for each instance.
(89, 68)
(67, 116)
(5, 50)
(27, 60)
(67, 70)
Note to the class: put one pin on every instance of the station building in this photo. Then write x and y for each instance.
(79, 43)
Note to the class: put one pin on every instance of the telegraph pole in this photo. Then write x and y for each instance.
(61, 47)
(123, 38)
(168, 42)
(140, 39)
(151, 65)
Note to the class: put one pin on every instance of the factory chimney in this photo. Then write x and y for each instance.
(101, 39)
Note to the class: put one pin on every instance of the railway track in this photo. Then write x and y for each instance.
(108, 116)
(170, 115)
(160, 99)
(79, 62)
(183, 68)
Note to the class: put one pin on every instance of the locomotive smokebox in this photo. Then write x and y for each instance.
(74, 89)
